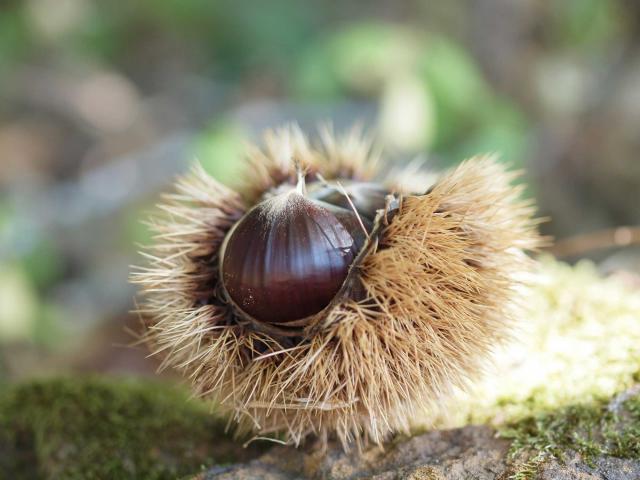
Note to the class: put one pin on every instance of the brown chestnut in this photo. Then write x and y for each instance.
(287, 258)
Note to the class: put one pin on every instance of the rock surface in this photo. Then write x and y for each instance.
(472, 452)
(605, 468)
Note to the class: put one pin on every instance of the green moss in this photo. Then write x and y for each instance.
(590, 429)
(578, 347)
(578, 341)
(625, 442)
(551, 392)
(102, 429)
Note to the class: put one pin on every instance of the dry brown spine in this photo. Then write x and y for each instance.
(440, 284)
(351, 156)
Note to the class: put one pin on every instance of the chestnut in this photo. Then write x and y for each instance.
(339, 308)
(287, 258)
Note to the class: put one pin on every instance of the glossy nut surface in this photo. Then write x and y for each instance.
(287, 258)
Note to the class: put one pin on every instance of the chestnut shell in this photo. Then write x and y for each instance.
(287, 258)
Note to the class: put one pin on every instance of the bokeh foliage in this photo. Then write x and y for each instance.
(217, 73)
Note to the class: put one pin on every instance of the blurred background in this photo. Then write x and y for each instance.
(103, 103)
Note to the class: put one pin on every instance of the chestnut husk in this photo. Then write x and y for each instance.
(430, 294)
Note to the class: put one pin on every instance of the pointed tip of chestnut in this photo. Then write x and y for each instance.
(287, 258)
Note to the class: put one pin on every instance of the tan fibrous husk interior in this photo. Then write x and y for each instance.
(441, 293)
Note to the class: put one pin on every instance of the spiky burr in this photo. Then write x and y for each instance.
(429, 291)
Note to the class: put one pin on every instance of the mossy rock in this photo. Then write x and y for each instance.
(108, 428)
(596, 440)
(593, 431)
(561, 402)
(564, 401)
